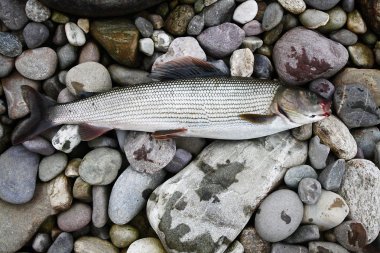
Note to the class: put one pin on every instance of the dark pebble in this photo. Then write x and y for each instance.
(144, 26)
(263, 67)
(10, 45)
(63, 244)
(322, 87)
(331, 177)
(35, 34)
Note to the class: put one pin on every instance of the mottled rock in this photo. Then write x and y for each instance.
(161, 40)
(64, 243)
(345, 37)
(323, 88)
(355, 22)
(352, 235)
(10, 45)
(51, 166)
(36, 11)
(196, 25)
(146, 245)
(293, 6)
(295, 174)
(77, 217)
(178, 19)
(304, 233)
(270, 37)
(309, 190)
(252, 242)
(322, 4)
(100, 197)
(252, 42)
(59, 190)
(72, 168)
(87, 244)
(12, 13)
(67, 138)
(331, 177)
(241, 62)
(35, 34)
(361, 55)
(218, 13)
(318, 153)
(82, 190)
(123, 235)
(245, 12)
(322, 247)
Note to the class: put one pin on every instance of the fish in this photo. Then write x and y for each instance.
(193, 99)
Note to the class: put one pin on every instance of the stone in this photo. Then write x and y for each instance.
(36, 11)
(270, 37)
(252, 43)
(88, 77)
(369, 38)
(18, 173)
(180, 160)
(220, 181)
(146, 245)
(263, 67)
(82, 190)
(253, 28)
(252, 242)
(322, 4)
(178, 20)
(272, 16)
(290, 22)
(318, 153)
(67, 56)
(156, 20)
(308, 57)
(245, 12)
(12, 14)
(348, 5)
(123, 235)
(309, 190)
(356, 106)
(304, 233)
(371, 12)
(10, 45)
(321, 247)
(77, 217)
(146, 46)
(235, 247)
(119, 37)
(84, 24)
(279, 215)
(39, 145)
(59, 17)
(345, 37)
(361, 55)
(59, 38)
(366, 139)
(330, 210)
(293, 6)
(218, 13)
(196, 25)
(67, 138)
(130, 194)
(53, 86)
(51, 166)
(336, 135)
(72, 168)
(192, 144)
(35, 34)
(100, 196)
(286, 248)
(89, 53)
(41, 242)
(360, 188)
(145, 27)
(331, 177)
(146, 154)
(6, 65)
(295, 174)
(64, 243)
(127, 76)
(323, 88)
(59, 190)
(102, 142)
(241, 62)
(337, 20)
(352, 235)
(220, 41)
(161, 40)
(92, 244)
(355, 22)
(303, 132)
(37, 64)
(181, 47)
(100, 166)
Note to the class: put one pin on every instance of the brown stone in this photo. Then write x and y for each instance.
(179, 19)
(371, 12)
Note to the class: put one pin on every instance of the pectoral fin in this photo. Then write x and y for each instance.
(89, 132)
(168, 134)
(257, 118)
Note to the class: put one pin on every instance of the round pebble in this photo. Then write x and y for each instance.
(161, 40)
(39, 145)
(253, 28)
(352, 235)
(309, 190)
(77, 217)
(64, 243)
(252, 42)
(219, 12)
(35, 34)
(74, 34)
(36, 11)
(272, 16)
(123, 235)
(294, 175)
(337, 19)
(51, 166)
(146, 245)
(245, 12)
(313, 19)
(10, 45)
(196, 25)
(345, 37)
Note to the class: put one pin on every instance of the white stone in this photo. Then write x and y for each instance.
(241, 62)
(59, 191)
(74, 34)
(293, 6)
(146, 245)
(245, 12)
(36, 11)
(146, 46)
(161, 40)
(67, 138)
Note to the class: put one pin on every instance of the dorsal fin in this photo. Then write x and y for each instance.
(185, 67)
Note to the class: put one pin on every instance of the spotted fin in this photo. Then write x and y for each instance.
(89, 132)
(257, 118)
(168, 134)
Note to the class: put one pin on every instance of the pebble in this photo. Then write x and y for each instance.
(102, 171)
(41, 242)
(123, 235)
(64, 243)
(287, 248)
(309, 58)
(82, 190)
(67, 56)
(220, 41)
(6, 65)
(361, 55)
(348, 5)
(352, 235)
(130, 193)
(67, 138)
(293, 6)
(314, 19)
(36, 11)
(318, 153)
(309, 190)
(196, 25)
(345, 37)
(92, 244)
(330, 210)
(331, 177)
(18, 172)
(178, 20)
(156, 20)
(366, 139)
(252, 42)
(303, 132)
(337, 20)
(145, 27)
(355, 22)
(369, 38)
(304, 233)
(180, 160)
(253, 28)
(37, 64)
(72, 168)
(92, 76)
(59, 38)
(336, 135)
(84, 24)
(279, 215)
(371, 13)
(35, 34)
(10, 45)
(219, 12)
(59, 190)
(103, 141)
(52, 87)
(192, 144)
(252, 242)
(77, 217)
(322, 4)
(146, 154)
(127, 76)
(272, 16)
(262, 68)
(146, 245)
(294, 175)
(241, 62)
(74, 34)
(270, 37)
(100, 196)
(12, 13)
(161, 40)
(245, 12)
(89, 53)
(51, 166)
(361, 190)
(323, 88)
(235, 247)
(322, 247)
(356, 106)
(59, 17)
(146, 46)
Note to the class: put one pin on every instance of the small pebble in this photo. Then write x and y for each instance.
(323, 88)
(196, 25)
(6, 65)
(355, 22)
(41, 242)
(145, 27)
(313, 19)
(290, 21)
(36, 11)
(180, 160)
(146, 46)
(100, 196)
(156, 20)
(270, 37)
(51, 166)
(10, 45)
(272, 16)
(87, 244)
(64, 243)
(348, 5)
(337, 19)
(294, 175)
(82, 190)
(252, 42)
(146, 245)
(361, 55)
(67, 138)
(262, 67)
(287, 248)
(67, 56)
(74, 34)
(39, 145)
(318, 153)
(123, 235)
(345, 37)
(59, 190)
(161, 40)
(90, 52)
(331, 177)
(84, 24)
(77, 217)
(245, 12)
(352, 235)
(220, 12)
(322, 247)
(253, 28)
(304, 233)
(293, 6)
(128, 76)
(35, 34)
(241, 62)
(309, 190)
(303, 132)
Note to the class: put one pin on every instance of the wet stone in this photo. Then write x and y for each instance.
(35, 34)
(309, 190)
(304, 233)
(287, 248)
(10, 45)
(331, 177)
(318, 153)
(64, 243)
(252, 242)
(100, 196)
(144, 26)
(345, 37)
(123, 235)
(295, 174)
(180, 160)
(263, 67)
(51, 166)
(322, 247)
(218, 13)
(245, 12)
(77, 217)
(323, 88)
(41, 242)
(352, 235)
(12, 13)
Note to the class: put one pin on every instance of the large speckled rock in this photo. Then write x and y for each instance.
(204, 207)
(302, 55)
(120, 38)
(361, 190)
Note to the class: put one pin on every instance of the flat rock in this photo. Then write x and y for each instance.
(313, 19)
(318, 153)
(344, 37)
(93, 244)
(10, 45)
(331, 177)
(304, 233)
(77, 217)
(361, 190)
(12, 13)
(206, 205)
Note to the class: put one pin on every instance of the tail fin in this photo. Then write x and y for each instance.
(37, 121)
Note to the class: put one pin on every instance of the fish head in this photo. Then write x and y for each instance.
(302, 106)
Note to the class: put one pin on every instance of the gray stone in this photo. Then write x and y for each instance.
(161, 40)
(314, 19)
(295, 174)
(322, 4)
(318, 153)
(102, 142)
(235, 247)
(263, 67)
(100, 166)
(127, 76)
(366, 139)
(196, 25)
(270, 37)
(92, 244)
(67, 56)
(41, 242)
(191, 144)
(337, 20)
(348, 5)
(12, 13)
(51, 166)
(130, 194)
(245, 12)
(309, 190)
(253, 28)
(361, 190)
(64, 243)
(18, 173)
(345, 37)
(146, 46)
(36, 11)
(77, 217)
(59, 38)
(286, 248)
(322, 247)
(352, 235)
(6, 65)
(212, 199)
(100, 196)
(304, 233)
(294, 6)
(145, 27)
(303, 132)
(39, 145)
(220, 41)
(331, 177)
(218, 13)
(35, 34)
(252, 242)
(10, 45)
(323, 88)
(89, 52)
(272, 16)
(180, 160)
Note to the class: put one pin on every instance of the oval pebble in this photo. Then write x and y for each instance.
(345, 37)
(146, 245)
(75, 35)
(295, 174)
(180, 160)
(245, 12)
(123, 235)
(100, 197)
(293, 6)
(67, 138)
(35, 34)
(309, 190)
(51, 166)
(272, 16)
(313, 19)
(39, 145)
(77, 217)
(36, 11)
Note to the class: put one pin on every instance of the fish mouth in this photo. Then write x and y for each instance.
(326, 108)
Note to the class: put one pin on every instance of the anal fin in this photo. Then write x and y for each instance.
(89, 132)
(168, 134)
(257, 118)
